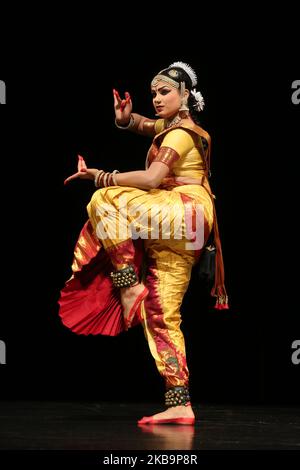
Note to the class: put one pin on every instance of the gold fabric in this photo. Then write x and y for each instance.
(148, 127)
(170, 262)
(118, 214)
(167, 281)
(87, 248)
(185, 138)
(167, 155)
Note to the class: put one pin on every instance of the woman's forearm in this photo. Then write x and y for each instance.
(137, 179)
(144, 125)
(139, 125)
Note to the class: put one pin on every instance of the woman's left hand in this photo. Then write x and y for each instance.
(83, 172)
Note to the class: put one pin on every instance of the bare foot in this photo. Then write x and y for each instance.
(179, 411)
(128, 298)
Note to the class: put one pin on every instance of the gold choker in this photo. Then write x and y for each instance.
(176, 120)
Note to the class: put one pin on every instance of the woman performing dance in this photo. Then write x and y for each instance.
(146, 229)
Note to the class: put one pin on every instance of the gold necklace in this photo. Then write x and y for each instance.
(173, 122)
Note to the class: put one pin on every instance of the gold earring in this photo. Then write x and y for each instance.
(184, 106)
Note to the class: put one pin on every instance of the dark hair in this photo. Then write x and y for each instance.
(182, 76)
(193, 112)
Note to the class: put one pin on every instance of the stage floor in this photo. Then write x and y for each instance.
(53, 425)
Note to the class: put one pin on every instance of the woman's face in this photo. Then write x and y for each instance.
(166, 100)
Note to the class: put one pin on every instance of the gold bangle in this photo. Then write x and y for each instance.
(105, 179)
(99, 172)
(100, 180)
(129, 125)
(114, 178)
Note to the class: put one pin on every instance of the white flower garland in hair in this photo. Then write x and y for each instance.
(199, 100)
(188, 69)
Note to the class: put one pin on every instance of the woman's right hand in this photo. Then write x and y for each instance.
(123, 108)
(83, 172)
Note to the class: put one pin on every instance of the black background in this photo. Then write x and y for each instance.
(59, 104)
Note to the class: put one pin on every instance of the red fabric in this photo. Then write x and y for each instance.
(224, 306)
(89, 303)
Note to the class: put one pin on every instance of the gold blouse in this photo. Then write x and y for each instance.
(186, 140)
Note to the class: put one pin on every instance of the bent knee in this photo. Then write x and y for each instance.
(100, 197)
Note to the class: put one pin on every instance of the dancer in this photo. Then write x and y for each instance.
(146, 230)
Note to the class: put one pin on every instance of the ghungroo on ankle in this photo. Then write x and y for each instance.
(177, 396)
(125, 277)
